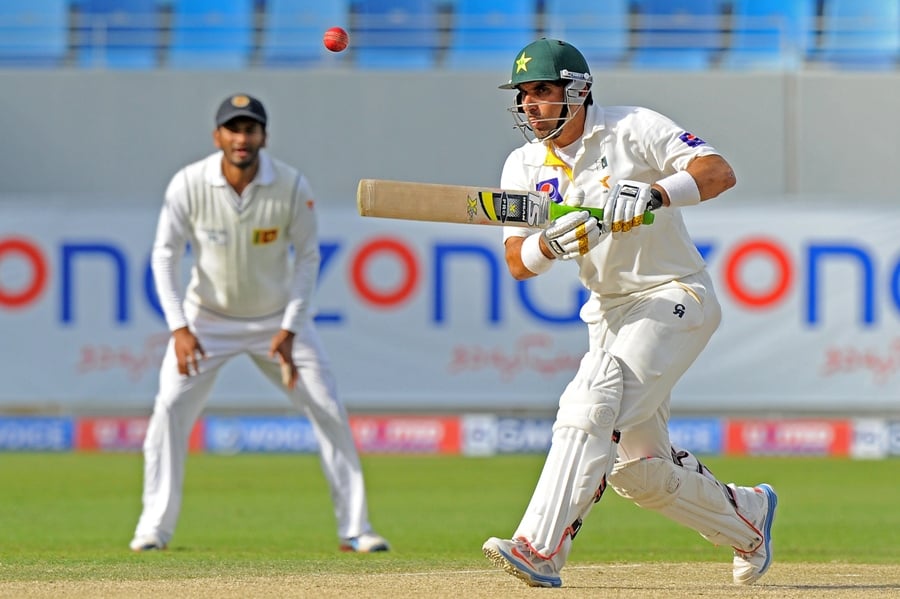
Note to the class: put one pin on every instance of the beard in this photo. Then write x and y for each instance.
(245, 162)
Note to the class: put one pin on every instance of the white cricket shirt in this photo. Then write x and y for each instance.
(620, 142)
(242, 264)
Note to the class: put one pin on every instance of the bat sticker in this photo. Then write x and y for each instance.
(504, 207)
(471, 207)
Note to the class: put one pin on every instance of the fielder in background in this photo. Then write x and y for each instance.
(651, 311)
(241, 211)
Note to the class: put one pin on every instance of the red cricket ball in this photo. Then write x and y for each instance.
(336, 39)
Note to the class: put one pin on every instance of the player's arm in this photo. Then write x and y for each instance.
(711, 174)
(705, 176)
(514, 259)
(304, 236)
(168, 251)
(695, 173)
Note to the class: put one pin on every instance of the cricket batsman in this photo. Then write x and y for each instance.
(650, 312)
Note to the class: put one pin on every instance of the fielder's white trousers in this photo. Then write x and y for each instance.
(181, 400)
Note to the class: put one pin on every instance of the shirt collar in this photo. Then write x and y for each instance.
(593, 120)
(544, 154)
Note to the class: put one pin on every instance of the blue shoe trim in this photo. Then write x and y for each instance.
(772, 499)
(554, 581)
(353, 545)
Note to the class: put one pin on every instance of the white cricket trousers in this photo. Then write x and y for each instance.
(653, 356)
(181, 400)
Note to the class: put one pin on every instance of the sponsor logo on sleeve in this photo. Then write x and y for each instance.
(691, 139)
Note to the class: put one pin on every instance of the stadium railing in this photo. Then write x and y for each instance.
(430, 34)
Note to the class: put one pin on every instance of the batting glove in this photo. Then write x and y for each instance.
(572, 235)
(625, 207)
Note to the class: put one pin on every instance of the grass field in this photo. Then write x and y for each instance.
(66, 519)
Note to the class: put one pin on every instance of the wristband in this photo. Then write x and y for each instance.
(532, 256)
(682, 189)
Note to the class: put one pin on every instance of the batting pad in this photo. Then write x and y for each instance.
(691, 499)
(571, 482)
(581, 456)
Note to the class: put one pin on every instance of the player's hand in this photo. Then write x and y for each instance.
(625, 207)
(571, 235)
(187, 351)
(283, 346)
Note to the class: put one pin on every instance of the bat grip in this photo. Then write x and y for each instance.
(557, 210)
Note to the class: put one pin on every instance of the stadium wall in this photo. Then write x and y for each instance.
(801, 134)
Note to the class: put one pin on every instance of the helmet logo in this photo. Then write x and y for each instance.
(522, 63)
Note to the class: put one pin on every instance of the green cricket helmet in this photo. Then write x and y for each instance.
(556, 61)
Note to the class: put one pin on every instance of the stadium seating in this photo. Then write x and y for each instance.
(211, 34)
(860, 33)
(677, 34)
(118, 33)
(770, 34)
(292, 31)
(599, 29)
(454, 34)
(487, 35)
(395, 34)
(33, 33)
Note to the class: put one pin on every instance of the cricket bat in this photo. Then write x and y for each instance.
(462, 204)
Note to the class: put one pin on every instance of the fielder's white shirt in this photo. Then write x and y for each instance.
(619, 142)
(242, 263)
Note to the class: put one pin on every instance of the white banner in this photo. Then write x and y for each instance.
(424, 316)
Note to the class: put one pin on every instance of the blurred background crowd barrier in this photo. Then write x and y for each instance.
(452, 34)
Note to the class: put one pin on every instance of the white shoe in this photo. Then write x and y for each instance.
(365, 543)
(748, 567)
(516, 558)
(146, 543)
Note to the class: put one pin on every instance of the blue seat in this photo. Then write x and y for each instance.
(395, 34)
(677, 34)
(770, 34)
(599, 28)
(34, 33)
(211, 34)
(860, 33)
(118, 33)
(488, 35)
(292, 31)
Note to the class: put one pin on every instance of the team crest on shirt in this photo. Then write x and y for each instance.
(264, 236)
(216, 236)
(551, 186)
(691, 139)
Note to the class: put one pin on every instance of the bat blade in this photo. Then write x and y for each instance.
(452, 203)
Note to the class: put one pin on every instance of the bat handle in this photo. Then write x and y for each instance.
(557, 210)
